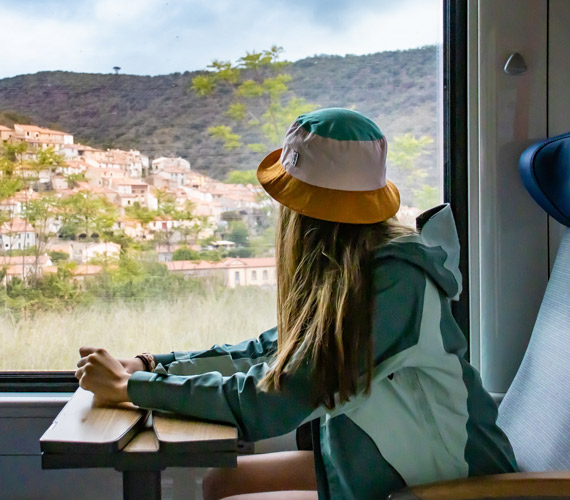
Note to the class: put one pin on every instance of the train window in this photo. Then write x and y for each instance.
(130, 214)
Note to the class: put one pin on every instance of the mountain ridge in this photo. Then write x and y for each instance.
(160, 116)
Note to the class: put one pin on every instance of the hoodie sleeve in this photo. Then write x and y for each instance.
(236, 400)
(226, 359)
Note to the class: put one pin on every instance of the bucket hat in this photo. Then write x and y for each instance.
(332, 166)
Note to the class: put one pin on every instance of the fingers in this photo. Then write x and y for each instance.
(88, 353)
(86, 350)
(80, 375)
(86, 359)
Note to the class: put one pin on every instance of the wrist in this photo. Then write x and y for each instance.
(138, 365)
(123, 389)
(148, 361)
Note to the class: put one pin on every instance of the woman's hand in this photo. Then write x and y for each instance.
(102, 374)
(132, 365)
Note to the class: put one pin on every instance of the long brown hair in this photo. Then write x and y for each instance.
(324, 302)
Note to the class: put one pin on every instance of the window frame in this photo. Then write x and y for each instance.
(455, 187)
(455, 141)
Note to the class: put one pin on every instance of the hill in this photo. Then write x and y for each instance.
(160, 115)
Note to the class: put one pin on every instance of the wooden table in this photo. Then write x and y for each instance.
(136, 442)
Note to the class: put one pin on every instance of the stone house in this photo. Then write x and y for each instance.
(233, 272)
(17, 234)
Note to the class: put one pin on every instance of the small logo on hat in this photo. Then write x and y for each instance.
(294, 158)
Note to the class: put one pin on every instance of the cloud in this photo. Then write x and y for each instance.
(158, 36)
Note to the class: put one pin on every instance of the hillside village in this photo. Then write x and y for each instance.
(161, 203)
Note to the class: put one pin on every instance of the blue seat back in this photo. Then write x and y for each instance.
(535, 413)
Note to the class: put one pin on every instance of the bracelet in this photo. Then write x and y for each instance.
(148, 361)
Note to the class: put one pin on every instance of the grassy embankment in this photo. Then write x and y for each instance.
(50, 340)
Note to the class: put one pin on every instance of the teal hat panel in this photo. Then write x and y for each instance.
(340, 124)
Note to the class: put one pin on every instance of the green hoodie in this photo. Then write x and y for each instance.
(427, 417)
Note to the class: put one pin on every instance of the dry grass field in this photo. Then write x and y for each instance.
(50, 341)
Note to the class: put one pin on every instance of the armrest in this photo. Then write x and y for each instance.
(521, 484)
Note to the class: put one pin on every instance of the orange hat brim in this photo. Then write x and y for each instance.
(351, 207)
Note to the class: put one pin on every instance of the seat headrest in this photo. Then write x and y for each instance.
(545, 171)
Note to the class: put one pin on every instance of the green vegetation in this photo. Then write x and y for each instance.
(186, 254)
(261, 98)
(243, 177)
(49, 341)
(131, 279)
(403, 154)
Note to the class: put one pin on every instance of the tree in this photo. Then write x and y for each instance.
(12, 158)
(261, 98)
(88, 213)
(243, 177)
(403, 154)
(13, 177)
(40, 212)
(11, 161)
(141, 214)
(263, 245)
(57, 256)
(74, 179)
(189, 225)
(48, 159)
(427, 196)
(185, 254)
(406, 149)
(166, 202)
(239, 233)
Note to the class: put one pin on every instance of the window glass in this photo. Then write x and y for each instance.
(129, 205)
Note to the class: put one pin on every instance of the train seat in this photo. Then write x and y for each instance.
(535, 412)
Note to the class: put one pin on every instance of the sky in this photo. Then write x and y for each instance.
(151, 37)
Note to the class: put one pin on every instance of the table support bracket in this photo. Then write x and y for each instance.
(141, 485)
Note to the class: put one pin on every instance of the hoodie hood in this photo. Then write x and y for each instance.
(435, 249)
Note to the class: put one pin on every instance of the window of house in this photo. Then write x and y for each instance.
(191, 113)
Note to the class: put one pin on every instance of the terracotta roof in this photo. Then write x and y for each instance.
(16, 225)
(81, 147)
(190, 265)
(174, 170)
(27, 260)
(37, 140)
(107, 246)
(80, 164)
(117, 171)
(35, 128)
(251, 262)
(6, 129)
(60, 247)
(132, 182)
(24, 196)
(86, 270)
(85, 186)
(16, 270)
(187, 265)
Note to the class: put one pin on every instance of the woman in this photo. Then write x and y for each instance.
(366, 347)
